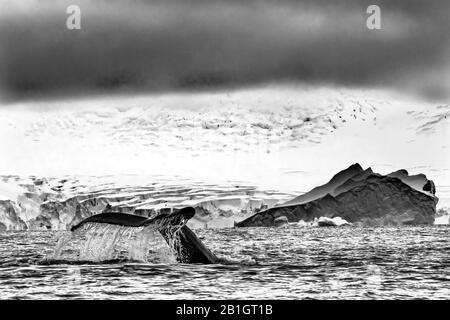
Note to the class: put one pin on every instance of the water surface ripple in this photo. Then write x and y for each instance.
(263, 263)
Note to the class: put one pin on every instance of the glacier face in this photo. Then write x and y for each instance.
(58, 204)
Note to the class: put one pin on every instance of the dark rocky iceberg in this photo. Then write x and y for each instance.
(361, 197)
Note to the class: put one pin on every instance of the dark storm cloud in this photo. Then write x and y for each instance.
(198, 44)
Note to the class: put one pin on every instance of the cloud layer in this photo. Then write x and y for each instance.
(174, 45)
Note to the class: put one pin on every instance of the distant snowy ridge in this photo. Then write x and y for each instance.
(274, 137)
(58, 204)
(285, 138)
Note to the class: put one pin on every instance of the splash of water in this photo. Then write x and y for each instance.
(149, 245)
(102, 240)
(96, 242)
(63, 240)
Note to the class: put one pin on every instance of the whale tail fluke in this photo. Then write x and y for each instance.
(192, 249)
(179, 217)
(122, 219)
(172, 227)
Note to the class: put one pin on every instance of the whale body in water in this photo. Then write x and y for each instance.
(188, 247)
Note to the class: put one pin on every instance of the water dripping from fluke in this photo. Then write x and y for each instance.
(117, 237)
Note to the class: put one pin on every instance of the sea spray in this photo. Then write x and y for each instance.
(101, 241)
(96, 242)
(150, 246)
(62, 242)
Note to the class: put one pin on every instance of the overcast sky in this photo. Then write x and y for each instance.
(172, 45)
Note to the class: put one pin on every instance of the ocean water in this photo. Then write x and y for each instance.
(290, 262)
